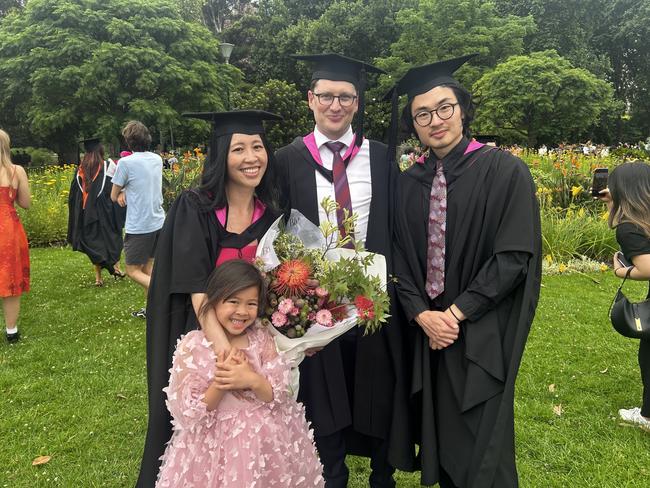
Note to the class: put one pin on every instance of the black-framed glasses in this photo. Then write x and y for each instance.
(444, 112)
(345, 100)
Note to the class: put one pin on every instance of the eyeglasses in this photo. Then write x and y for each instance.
(444, 112)
(345, 100)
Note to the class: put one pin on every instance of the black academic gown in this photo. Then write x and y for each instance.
(377, 405)
(96, 230)
(462, 397)
(186, 254)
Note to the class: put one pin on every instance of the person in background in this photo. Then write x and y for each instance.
(14, 250)
(95, 222)
(140, 175)
(236, 423)
(222, 219)
(628, 199)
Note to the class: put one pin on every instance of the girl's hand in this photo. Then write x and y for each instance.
(235, 372)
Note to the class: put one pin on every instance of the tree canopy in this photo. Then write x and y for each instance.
(539, 98)
(72, 68)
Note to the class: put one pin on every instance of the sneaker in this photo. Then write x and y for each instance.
(633, 416)
(13, 337)
(142, 313)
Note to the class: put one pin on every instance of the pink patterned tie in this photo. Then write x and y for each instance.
(437, 225)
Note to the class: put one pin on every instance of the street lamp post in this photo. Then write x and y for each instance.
(226, 51)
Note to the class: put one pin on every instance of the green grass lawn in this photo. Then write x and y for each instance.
(74, 387)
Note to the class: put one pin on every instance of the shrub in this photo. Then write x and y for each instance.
(184, 174)
(46, 222)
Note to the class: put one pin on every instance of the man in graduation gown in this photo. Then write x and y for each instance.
(467, 263)
(94, 222)
(194, 238)
(353, 389)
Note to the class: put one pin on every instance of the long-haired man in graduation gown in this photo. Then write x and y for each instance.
(467, 263)
(353, 389)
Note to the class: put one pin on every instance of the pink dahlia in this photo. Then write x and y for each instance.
(278, 319)
(285, 305)
(324, 317)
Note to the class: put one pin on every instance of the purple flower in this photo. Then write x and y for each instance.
(278, 319)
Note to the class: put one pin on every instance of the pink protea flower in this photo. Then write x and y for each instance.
(285, 305)
(278, 319)
(324, 317)
(322, 292)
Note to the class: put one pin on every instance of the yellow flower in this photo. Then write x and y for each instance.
(548, 258)
(604, 215)
(576, 190)
(562, 268)
(603, 267)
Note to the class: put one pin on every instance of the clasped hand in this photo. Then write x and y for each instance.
(440, 327)
(234, 372)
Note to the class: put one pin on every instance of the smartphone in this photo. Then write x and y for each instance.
(599, 182)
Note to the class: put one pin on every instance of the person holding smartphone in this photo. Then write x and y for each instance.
(628, 198)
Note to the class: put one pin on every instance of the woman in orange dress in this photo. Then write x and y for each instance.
(14, 252)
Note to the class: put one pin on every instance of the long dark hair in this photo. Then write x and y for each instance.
(90, 163)
(465, 103)
(629, 187)
(212, 190)
(231, 277)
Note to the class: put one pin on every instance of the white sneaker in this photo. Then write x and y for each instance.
(633, 416)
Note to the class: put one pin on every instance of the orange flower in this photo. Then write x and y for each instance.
(292, 277)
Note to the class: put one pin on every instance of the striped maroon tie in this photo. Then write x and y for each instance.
(435, 284)
(341, 187)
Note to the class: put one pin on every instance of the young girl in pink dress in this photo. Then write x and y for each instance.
(236, 424)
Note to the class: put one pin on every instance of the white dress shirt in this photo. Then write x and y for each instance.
(359, 181)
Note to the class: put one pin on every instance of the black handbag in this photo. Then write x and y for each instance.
(630, 319)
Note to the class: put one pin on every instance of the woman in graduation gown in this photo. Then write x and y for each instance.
(94, 222)
(222, 219)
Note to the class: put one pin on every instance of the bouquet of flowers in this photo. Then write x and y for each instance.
(351, 284)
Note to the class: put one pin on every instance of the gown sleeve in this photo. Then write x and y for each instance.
(514, 206)
(190, 376)
(186, 242)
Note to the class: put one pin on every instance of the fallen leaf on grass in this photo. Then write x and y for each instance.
(557, 409)
(41, 460)
(121, 397)
(604, 370)
(551, 388)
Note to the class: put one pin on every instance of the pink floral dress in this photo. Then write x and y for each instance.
(244, 442)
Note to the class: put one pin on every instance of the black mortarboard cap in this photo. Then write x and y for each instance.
(421, 79)
(90, 144)
(335, 67)
(235, 121)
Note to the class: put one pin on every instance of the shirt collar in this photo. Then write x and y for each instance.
(322, 138)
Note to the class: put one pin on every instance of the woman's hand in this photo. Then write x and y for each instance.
(605, 196)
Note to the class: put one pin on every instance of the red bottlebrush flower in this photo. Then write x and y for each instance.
(291, 277)
(365, 307)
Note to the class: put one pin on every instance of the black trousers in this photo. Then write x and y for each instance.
(331, 450)
(644, 364)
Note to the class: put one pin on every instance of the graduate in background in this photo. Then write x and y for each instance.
(354, 390)
(468, 269)
(220, 220)
(94, 222)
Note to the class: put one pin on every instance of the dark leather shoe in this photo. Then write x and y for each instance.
(13, 337)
